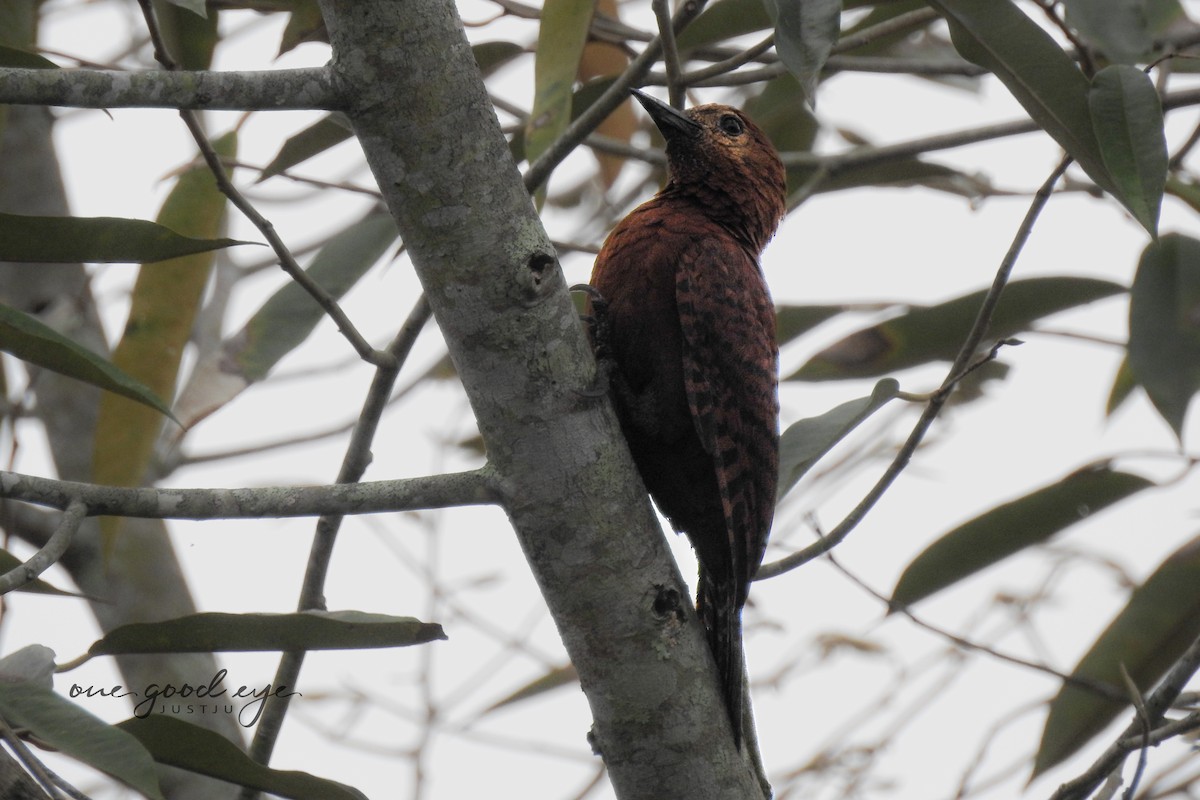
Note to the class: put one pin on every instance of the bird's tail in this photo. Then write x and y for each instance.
(716, 602)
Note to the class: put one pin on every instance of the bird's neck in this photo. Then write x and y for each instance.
(750, 217)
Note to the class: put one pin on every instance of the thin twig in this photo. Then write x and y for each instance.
(39, 771)
(1101, 689)
(723, 67)
(361, 346)
(670, 53)
(965, 356)
(50, 552)
(901, 23)
(354, 464)
(1139, 705)
(613, 96)
(1131, 739)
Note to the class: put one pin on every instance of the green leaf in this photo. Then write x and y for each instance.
(999, 37)
(197, 7)
(165, 300)
(305, 24)
(68, 728)
(189, 31)
(285, 320)
(1164, 325)
(33, 664)
(1009, 528)
(1120, 28)
(1123, 385)
(1128, 120)
(29, 340)
(805, 33)
(878, 14)
(180, 744)
(898, 173)
(935, 333)
(9, 562)
(325, 133)
(1160, 621)
(780, 110)
(555, 678)
(806, 441)
(306, 630)
(793, 321)
(490, 56)
(95, 239)
(723, 20)
(15, 57)
(561, 38)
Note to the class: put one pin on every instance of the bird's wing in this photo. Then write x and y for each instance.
(730, 364)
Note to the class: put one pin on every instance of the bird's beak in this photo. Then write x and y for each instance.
(670, 120)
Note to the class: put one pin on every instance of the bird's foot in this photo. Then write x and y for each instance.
(599, 334)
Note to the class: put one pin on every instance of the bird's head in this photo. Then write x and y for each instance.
(718, 154)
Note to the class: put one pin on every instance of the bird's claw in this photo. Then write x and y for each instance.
(597, 323)
(599, 333)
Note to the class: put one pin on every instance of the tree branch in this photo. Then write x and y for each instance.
(960, 367)
(265, 90)
(476, 487)
(1131, 739)
(49, 554)
(354, 464)
(613, 96)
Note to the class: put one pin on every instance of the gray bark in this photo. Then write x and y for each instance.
(421, 112)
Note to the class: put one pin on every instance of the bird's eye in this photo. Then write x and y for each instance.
(731, 125)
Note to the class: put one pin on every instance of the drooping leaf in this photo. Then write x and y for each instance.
(165, 300)
(804, 442)
(305, 24)
(935, 333)
(555, 678)
(780, 110)
(68, 728)
(723, 20)
(878, 14)
(177, 743)
(601, 60)
(490, 56)
(32, 664)
(561, 38)
(1185, 189)
(9, 562)
(1164, 325)
(198, 7)
(284, 321)
(188, 30)
(1009, 528)
(792, 321)
(998, 36)
(1123, 385)
(1119, 28)
(1128, 120)
(1160, 621)
(805, 33)
(30, 340)
(15, 57)
(306, 630)
(895, 172)
(102, 240)
(330, 130)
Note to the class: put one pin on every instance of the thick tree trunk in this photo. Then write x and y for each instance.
(420, 109)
